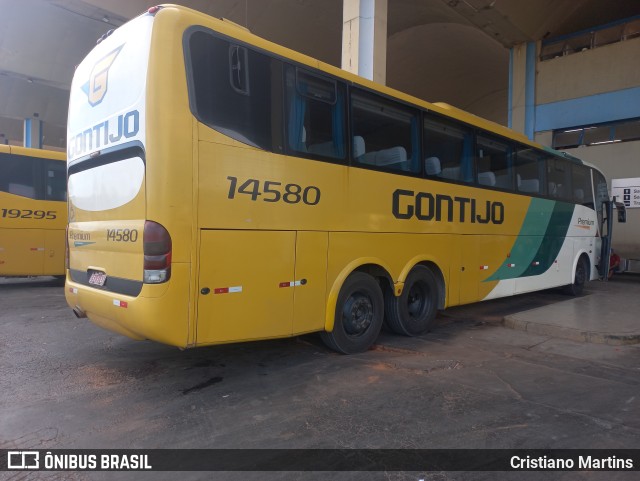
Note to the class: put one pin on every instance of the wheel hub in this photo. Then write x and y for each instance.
(357, 314)
(416, 301)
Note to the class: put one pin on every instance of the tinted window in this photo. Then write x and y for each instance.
(55, 180)
(236, 90)
(315, 114)
(559, 179)
(447, 150)
(581, 183)
(385, 134)
(20, 175)
(530, 171)
(601, 191)
(493, 162)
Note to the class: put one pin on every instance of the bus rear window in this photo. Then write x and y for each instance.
(235, 90)
(107, 186)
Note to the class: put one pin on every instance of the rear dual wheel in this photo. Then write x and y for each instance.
(413, 312)
(359, 315)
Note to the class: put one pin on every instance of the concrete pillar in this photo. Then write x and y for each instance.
(530, 91)
(522, 88)
(33, 133)
(364, 38)
(517, 61)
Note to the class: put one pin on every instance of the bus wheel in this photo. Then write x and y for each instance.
(582, 270)
(359, 314)
(413, 312)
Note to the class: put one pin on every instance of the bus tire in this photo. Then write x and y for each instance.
(413, 312)
(579, 279)
(359, 315)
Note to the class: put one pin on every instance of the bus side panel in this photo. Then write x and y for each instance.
(22, 252)
(469, 270)
(310, 288)
(54, 244)
(397, 253)
(241, 287)
(30, 228)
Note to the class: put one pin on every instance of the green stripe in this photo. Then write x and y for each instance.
(82, 243)
(554, 237)
(540, 239)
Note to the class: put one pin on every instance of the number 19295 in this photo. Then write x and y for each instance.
(29, 214)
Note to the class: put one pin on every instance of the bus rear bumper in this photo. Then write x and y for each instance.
(160, 312)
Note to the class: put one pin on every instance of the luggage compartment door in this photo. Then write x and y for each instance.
(239, 290)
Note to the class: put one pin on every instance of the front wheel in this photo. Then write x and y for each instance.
(359, 315)
(414, 311)
(582, 273)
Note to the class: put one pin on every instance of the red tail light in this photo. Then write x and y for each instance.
(157, 253)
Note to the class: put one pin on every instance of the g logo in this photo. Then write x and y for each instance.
(96, 87)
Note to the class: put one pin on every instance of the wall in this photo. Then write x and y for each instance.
(594, 86)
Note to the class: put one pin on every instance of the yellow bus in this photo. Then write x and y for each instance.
(33, 212)
(225, 189)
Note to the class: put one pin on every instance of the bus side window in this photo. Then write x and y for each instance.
(315, 109)
(447, 149)
(601, 192)
(19, 175)
(530, 170)
(559, 179)
(389, 133)
(581, 182)
(235, 90)
(494, 163)
(56, 181)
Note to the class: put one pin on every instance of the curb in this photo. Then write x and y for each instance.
(572, 334)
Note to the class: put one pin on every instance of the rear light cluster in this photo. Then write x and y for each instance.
(157, 253)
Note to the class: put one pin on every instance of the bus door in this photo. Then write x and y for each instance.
(606, 225)
(606, 231)
(241, 292)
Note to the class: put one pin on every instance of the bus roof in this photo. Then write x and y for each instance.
(30, 152)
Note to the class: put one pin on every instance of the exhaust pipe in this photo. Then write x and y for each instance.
(80, 314)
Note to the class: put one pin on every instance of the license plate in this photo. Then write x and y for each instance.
(97, 278)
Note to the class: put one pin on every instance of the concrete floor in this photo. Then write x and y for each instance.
(471, 383)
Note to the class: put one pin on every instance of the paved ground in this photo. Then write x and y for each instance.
(471, 383)
(608, 315)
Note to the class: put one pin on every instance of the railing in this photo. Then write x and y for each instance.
(590, 39)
